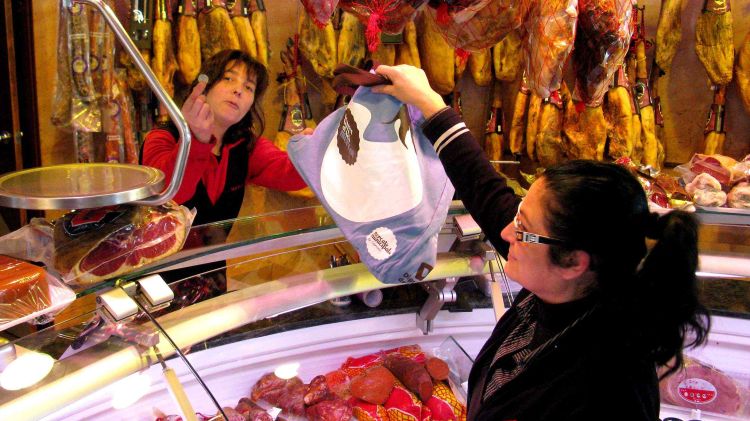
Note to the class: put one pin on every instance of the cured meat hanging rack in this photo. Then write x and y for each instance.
(78, 186)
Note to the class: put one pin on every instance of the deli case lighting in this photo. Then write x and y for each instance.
(26, 370)
(287, 371)
(130, 389)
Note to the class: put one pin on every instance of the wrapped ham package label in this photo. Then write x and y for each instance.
(381, 181)
(698, 385)
(27, 291)
(92, 245)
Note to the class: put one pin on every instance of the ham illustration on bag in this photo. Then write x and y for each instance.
(381, 181)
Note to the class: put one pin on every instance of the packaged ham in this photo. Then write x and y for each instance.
(741, 170)
(706, 191)
(739, 196)
(662, 191)
(27, 291)
(32, 242)
(389, 16)
(443, 404)
(374, 385)
(96, 244)
(718, 166)
(550, 30)
(413, 375)
(698, 385)
(320, 10)
(368, 411)
(402, 404)
(474, 25)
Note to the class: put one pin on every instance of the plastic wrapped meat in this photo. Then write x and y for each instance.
(550, 33)
(706, 191)
(699, 385)
(96, 244)
(320, 10)
(476, 25)
(739, 196)
(602, 41)
(389, 16)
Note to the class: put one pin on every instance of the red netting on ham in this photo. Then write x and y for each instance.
(389, 16)
(602, 41)
(550, 30)
(320, 10)
(474, 25)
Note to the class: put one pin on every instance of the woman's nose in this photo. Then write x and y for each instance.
(508, 233)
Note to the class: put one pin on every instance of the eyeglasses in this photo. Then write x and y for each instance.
(528, 237)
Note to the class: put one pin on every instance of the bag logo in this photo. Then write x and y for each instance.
(381, 243)
(347, 138)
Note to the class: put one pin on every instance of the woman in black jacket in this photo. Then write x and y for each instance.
(609, 289)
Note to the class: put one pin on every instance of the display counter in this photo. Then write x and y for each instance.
(283, 306)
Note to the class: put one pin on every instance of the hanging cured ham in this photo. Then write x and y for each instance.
(602, 40)
(318, 45)
(188, 42)
(241, 21)
(550, 30)
(216, 30)
(320, 11)
(408, 52)
(743, 72)
(351, 41)
(474, 25)
(436, 55)
(668, 33)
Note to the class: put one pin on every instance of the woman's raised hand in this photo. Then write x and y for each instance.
(410, 86)
(198, 114)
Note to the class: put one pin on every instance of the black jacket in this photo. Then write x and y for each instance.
(587, 373)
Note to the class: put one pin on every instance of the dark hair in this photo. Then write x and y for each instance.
(601, 208)
(214, 68)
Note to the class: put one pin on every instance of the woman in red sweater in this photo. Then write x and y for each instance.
(227, 151)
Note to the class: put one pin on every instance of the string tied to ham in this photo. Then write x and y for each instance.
(462, 56)
(443, 16)
(377, 12)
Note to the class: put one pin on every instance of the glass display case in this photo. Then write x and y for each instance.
(291, 301)
(281, 270)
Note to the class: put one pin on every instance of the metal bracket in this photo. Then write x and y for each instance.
(440, 292)
(468, 233)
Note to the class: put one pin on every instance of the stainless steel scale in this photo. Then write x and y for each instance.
(77, 186)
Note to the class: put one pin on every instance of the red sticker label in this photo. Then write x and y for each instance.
(697, 391)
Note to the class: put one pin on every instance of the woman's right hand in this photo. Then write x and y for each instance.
(198, 114)
(410, 86)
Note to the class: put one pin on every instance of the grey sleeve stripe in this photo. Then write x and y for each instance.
(448, 133)
(450, 139)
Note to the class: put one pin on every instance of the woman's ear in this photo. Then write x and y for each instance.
(575, 264)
